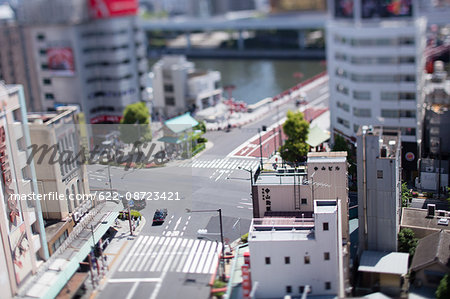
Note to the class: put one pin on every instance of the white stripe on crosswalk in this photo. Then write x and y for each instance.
(201, 262)
(166, 254)
(148, 255)
(198, 255)
(184, 256)
(215, 257)
(160, 254)
(190, 256)
(209, 260)
(142, 255)
(131, 252)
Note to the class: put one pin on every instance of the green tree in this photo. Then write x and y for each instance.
(135, 123)
(406, 195)
(201, 126)
(443, 290)
(296, 129)
(407, 242)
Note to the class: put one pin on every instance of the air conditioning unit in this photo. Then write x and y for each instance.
(429, 169)
(431, 208)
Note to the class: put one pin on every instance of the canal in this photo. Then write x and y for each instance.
(256, 79)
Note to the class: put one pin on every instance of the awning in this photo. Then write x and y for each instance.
(384, 262)
(317, 136)
(181, 123)
(167, 139)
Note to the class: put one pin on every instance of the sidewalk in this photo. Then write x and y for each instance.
(113, 254)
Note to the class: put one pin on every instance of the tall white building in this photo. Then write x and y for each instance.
(178, 87)
(376, 66)
(289, 256)
(379, 188)
(89, 53)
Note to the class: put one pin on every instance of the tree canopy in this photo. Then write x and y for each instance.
(443, 290)
(341, 145)
(134, 124)
(296, 129)
(407, 242)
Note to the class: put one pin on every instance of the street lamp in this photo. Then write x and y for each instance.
(249, 171)
(221, 234)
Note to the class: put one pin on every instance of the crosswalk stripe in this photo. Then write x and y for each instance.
(167, 253)
(215, 257)
(209, 260)
(142, 254)
(178, 259)
(138, 250)
(190, 256)
(160, 254)
(203, 258)
(130, 253)
(198, 255)
(148, 255)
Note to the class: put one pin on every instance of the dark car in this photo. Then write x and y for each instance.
(159, 216)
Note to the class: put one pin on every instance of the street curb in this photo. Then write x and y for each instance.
(209, 145)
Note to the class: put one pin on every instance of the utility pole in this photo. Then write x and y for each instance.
(260, 149)
(223, 245)
(110, 184)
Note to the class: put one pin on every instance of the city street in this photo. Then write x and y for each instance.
(167, 260)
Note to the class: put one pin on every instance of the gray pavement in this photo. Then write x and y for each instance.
(168, 261)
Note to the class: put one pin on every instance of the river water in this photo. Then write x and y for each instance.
(256, 79)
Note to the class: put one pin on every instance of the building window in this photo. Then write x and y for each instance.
(301, 289)
(379, 174)
(304, 201)
(44, 66)
(326, 256)
(267, 260)
(168, 87)
(170, 101)
(40, 37)
(288, 289)
(343, 122)
(361, 95)
(361, 112)
(325, 226)
(327, 285)
(49, 96)
(307, 259)
(287, 260)
(47, 81)
(343, 106)
(43, 51)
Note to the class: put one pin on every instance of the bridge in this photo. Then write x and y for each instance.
(206, 36)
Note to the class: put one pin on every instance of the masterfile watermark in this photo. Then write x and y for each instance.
(50, 196)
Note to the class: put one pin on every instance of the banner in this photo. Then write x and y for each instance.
(103, 9)
(61, 61)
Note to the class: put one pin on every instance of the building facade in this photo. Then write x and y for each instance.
(23, 240)
(178, 87)
(80, 52)
(379, 189)
(376, 66)
(291, 256)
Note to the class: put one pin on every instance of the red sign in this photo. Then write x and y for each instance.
(7, 178)
(115, 119)
(103, 9)
(60, 61)
(246, 282)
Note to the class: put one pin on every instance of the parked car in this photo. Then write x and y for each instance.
(159, 216)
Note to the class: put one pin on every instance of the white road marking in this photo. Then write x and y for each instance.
(176, 224)
(221, 173)
(127, 280)
(132, 290)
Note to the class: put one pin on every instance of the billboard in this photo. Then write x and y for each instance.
(60, 61)
(343, 8)
(103, 9)
(386, 8)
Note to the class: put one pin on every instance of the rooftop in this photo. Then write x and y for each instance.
(276, 178)
(432, 248)
(389, 140)
(327, 157)
(412, 217)
(384, 262)
(48, 118)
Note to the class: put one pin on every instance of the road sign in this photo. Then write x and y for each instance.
(130, 203)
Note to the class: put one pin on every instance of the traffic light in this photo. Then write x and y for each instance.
(264, 128)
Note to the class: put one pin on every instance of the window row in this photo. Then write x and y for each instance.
(306, 258)
(369, 60)
(375, 42)
(301, 289)
(395, 113)
(108, 79)
(102, 108)
(343, 122)
(104, 49)
(89, 34)
(106, 63)
(101, 94)
(376, 78)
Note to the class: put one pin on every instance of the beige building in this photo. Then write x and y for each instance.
(22, 235)
(59, 172)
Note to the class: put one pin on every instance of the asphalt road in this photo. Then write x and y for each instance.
(168, 260)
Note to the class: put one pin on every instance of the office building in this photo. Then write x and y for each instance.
(379, 188)
(23, 240)
(292, 256)
(59, 132)
(376, 66)
(79, 52)
(178, 87)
